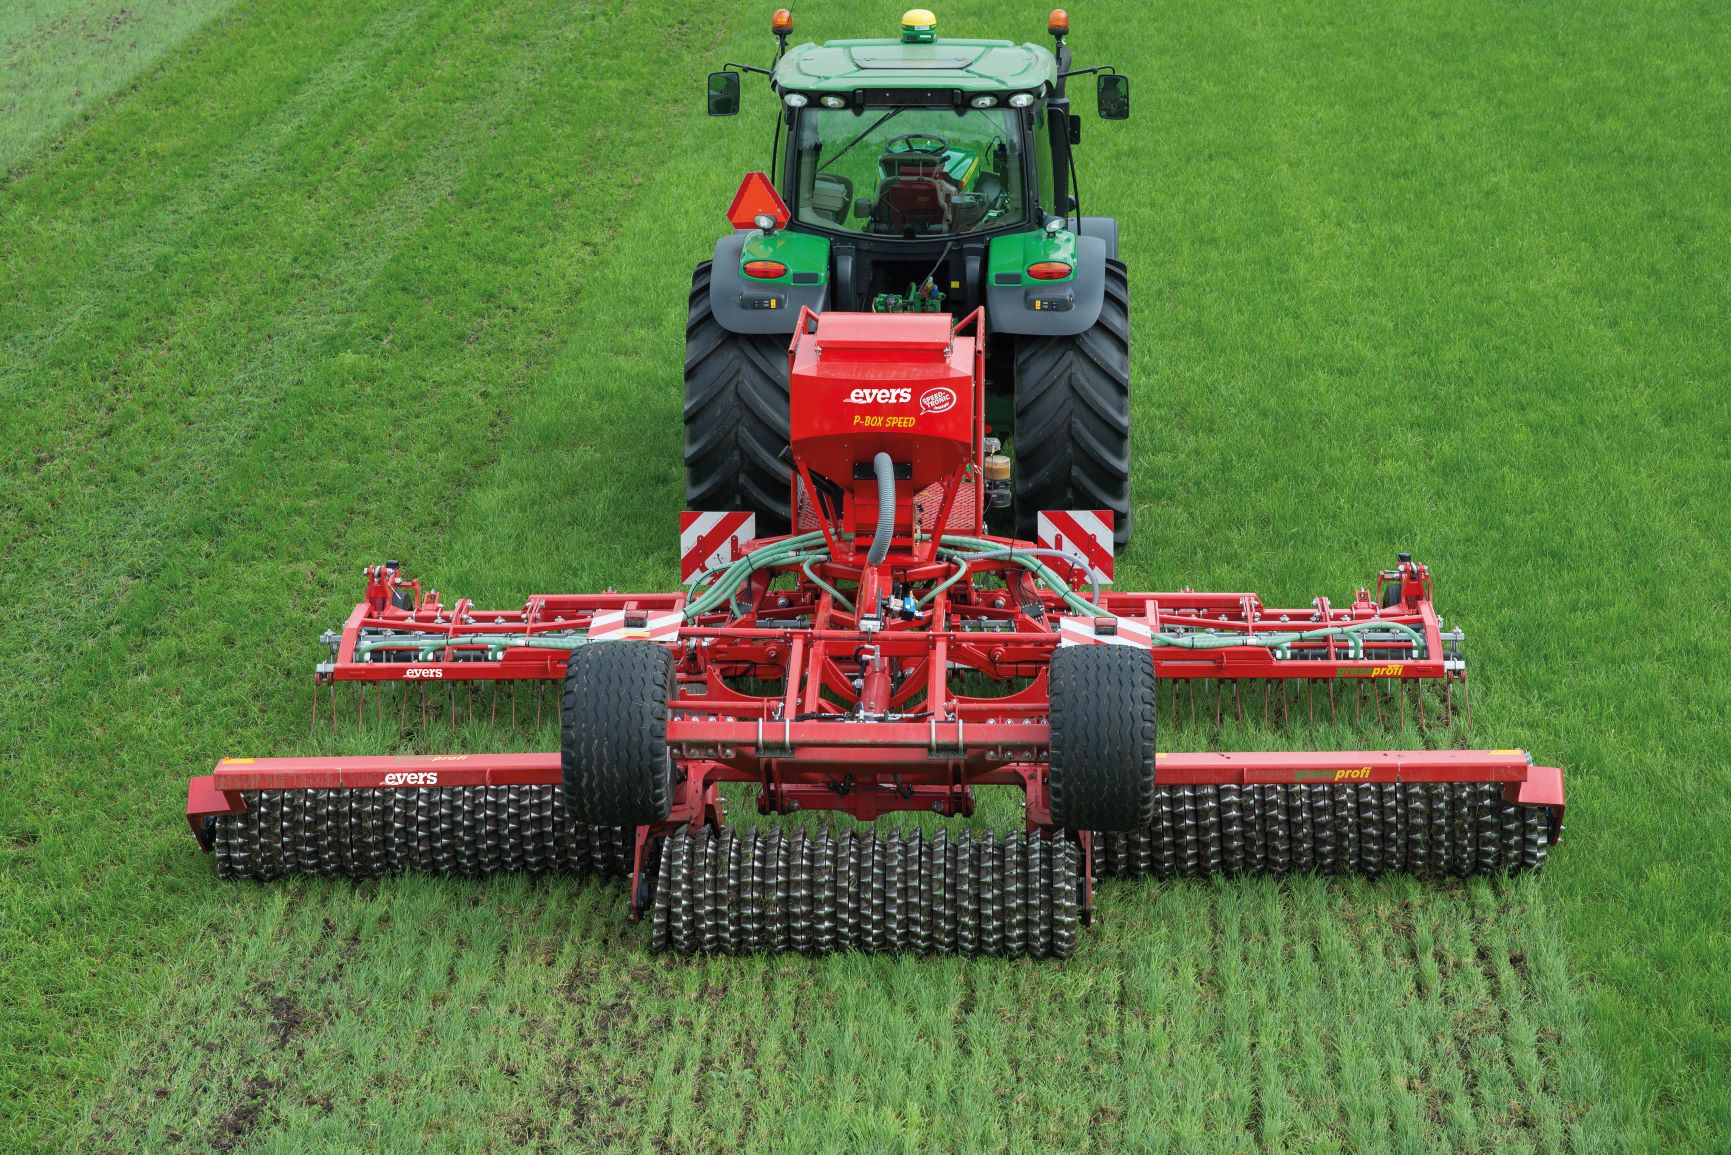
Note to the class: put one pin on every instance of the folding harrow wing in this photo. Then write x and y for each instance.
(890, 655)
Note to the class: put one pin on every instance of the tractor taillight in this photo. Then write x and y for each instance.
(765, 270)
(1049, 270)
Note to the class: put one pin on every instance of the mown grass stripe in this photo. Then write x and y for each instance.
(515, 299)
(319, 258)
(60, 58)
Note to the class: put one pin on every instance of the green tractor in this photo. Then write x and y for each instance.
(930, 174)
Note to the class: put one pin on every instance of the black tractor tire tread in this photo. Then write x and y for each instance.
(736, 416)
(1072, 417)
(613, 733)
(1103, 731)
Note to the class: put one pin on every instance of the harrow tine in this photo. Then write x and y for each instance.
(1288, 703)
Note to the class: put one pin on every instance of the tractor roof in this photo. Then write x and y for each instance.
(969, 65)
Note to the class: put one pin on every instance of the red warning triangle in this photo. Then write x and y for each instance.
(756, 196)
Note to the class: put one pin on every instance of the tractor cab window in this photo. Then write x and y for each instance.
(909, 172)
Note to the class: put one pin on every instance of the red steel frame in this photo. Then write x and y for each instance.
(868, 718)
(458, 637)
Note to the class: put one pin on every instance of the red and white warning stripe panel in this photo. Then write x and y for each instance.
(708, 540)
(636, 624)
(1104, 632)
(1087, 532)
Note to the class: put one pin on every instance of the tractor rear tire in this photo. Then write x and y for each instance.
(736, 416)
(613, 752)
(1103, 727)
(1072, 430)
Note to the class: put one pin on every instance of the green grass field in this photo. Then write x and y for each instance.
(289, 287)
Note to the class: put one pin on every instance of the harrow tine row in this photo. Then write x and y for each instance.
(509, 703)
(1299, 703)
(1286, 703)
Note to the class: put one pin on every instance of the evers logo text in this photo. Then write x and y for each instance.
(880, 396)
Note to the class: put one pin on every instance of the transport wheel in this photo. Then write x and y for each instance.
(1072, 427)
(736, 416)
(1103, 729)
(613, 751)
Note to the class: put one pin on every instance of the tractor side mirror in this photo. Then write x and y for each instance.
(724, 94)
(1111, 96)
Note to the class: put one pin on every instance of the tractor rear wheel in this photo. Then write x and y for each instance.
(736, 414)
(1072, 431)
(613, 753)
(1102, 737)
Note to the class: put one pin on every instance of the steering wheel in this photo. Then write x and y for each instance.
(921, 143)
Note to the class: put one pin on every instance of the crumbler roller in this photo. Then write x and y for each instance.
(888, 655)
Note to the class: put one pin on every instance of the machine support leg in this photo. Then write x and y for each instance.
(1086, 913)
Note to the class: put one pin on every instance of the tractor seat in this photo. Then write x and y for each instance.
(914, 192)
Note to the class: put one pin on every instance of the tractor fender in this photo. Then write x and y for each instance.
(1009, 308)
(1106, 228)
(741, 305)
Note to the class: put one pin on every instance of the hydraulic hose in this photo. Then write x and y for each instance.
(840, 598)
(973, 548)
(961, 571)
(885, 469)
(735, 575)
(1021, 552)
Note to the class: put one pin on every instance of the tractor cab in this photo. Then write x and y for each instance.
(896, 148)
(919, 173)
